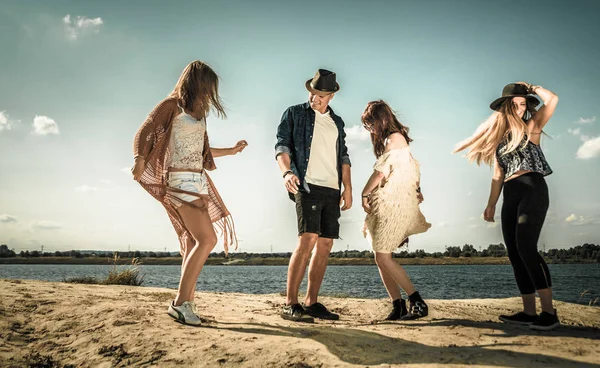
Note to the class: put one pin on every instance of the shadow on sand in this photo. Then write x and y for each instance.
(370, 348)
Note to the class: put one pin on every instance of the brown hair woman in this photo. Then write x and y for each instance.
(172, 154)
(391, 200)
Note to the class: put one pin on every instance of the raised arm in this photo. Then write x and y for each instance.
(544, 114)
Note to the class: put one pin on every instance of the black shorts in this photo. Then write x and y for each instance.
(319, 211)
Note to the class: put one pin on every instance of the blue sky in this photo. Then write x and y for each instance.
(78, 78)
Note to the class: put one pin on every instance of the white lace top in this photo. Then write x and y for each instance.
(187, 142)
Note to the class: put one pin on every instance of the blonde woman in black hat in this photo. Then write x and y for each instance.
(510, 141)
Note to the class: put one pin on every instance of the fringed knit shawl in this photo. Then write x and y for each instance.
(395, 212)
(152, 143)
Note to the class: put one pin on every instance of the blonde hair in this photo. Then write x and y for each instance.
(198, 89)
(502, 124)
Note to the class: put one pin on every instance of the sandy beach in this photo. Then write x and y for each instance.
(59, 324)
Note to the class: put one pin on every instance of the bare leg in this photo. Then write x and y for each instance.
(297, 266)
(200, 227)
(390, 285)
(395, 271)
(316, 270)
(546, 300)
(529, 304)
(188, 246)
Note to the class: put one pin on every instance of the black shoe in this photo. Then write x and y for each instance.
(318, 310)
(520, 318)
(546, 322)
(398, 310)
(417, 309)
(296, 313)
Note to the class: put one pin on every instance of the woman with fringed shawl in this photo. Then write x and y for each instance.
(172, 154)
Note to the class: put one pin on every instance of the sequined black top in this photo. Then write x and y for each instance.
(528, 156)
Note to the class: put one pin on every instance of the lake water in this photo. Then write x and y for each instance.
(433, 282)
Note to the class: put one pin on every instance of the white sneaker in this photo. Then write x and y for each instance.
(185, 313)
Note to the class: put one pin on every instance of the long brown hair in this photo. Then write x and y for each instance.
(381, 121)
(502, 124)
(198, 89)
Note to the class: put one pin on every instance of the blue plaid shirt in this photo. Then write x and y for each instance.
(294, 137)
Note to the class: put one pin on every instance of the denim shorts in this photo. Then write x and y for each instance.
(188, 181)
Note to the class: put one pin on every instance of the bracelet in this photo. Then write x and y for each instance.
(366, 195)
(287, 172)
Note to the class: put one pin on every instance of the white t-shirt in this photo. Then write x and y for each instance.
(322, 163)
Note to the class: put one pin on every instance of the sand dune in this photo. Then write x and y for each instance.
(108, 326)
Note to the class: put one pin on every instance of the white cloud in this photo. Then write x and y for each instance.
(106, 181)
(442, 224)
(81, 26)
(45, 225)
(571, 217)
(586, 120)
(43, 125)
(5, 122)
(357, 133)
(126, 170)
(574, 131)
(5, 218)
(589, 149)
(575, 220)
(469, 193)
(87, 189)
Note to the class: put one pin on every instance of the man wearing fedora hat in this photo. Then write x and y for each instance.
(313, 158)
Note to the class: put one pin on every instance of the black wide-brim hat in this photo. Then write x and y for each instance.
(323, 82)
(514, 90)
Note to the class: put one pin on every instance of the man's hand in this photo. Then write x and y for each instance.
(346, 199)
(291, 183)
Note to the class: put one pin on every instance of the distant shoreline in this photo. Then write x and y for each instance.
(258, 261)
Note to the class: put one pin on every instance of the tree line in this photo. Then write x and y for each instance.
(585, 252)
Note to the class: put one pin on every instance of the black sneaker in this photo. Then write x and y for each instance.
(398, 311)
(417, 309)
(296, 313)
(318, 310)
(520, 318)
(546, 322)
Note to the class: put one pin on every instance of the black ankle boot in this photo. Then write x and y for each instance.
(418, 307)
(398, 310)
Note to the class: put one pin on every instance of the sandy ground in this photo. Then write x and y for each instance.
(58, 325)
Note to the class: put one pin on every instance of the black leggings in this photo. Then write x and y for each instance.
(523, 214)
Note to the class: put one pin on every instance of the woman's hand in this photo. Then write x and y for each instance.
(420, 197)
(239, 147)
(530, 87)
(138, 168)
(488, 213)
(366, 204)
